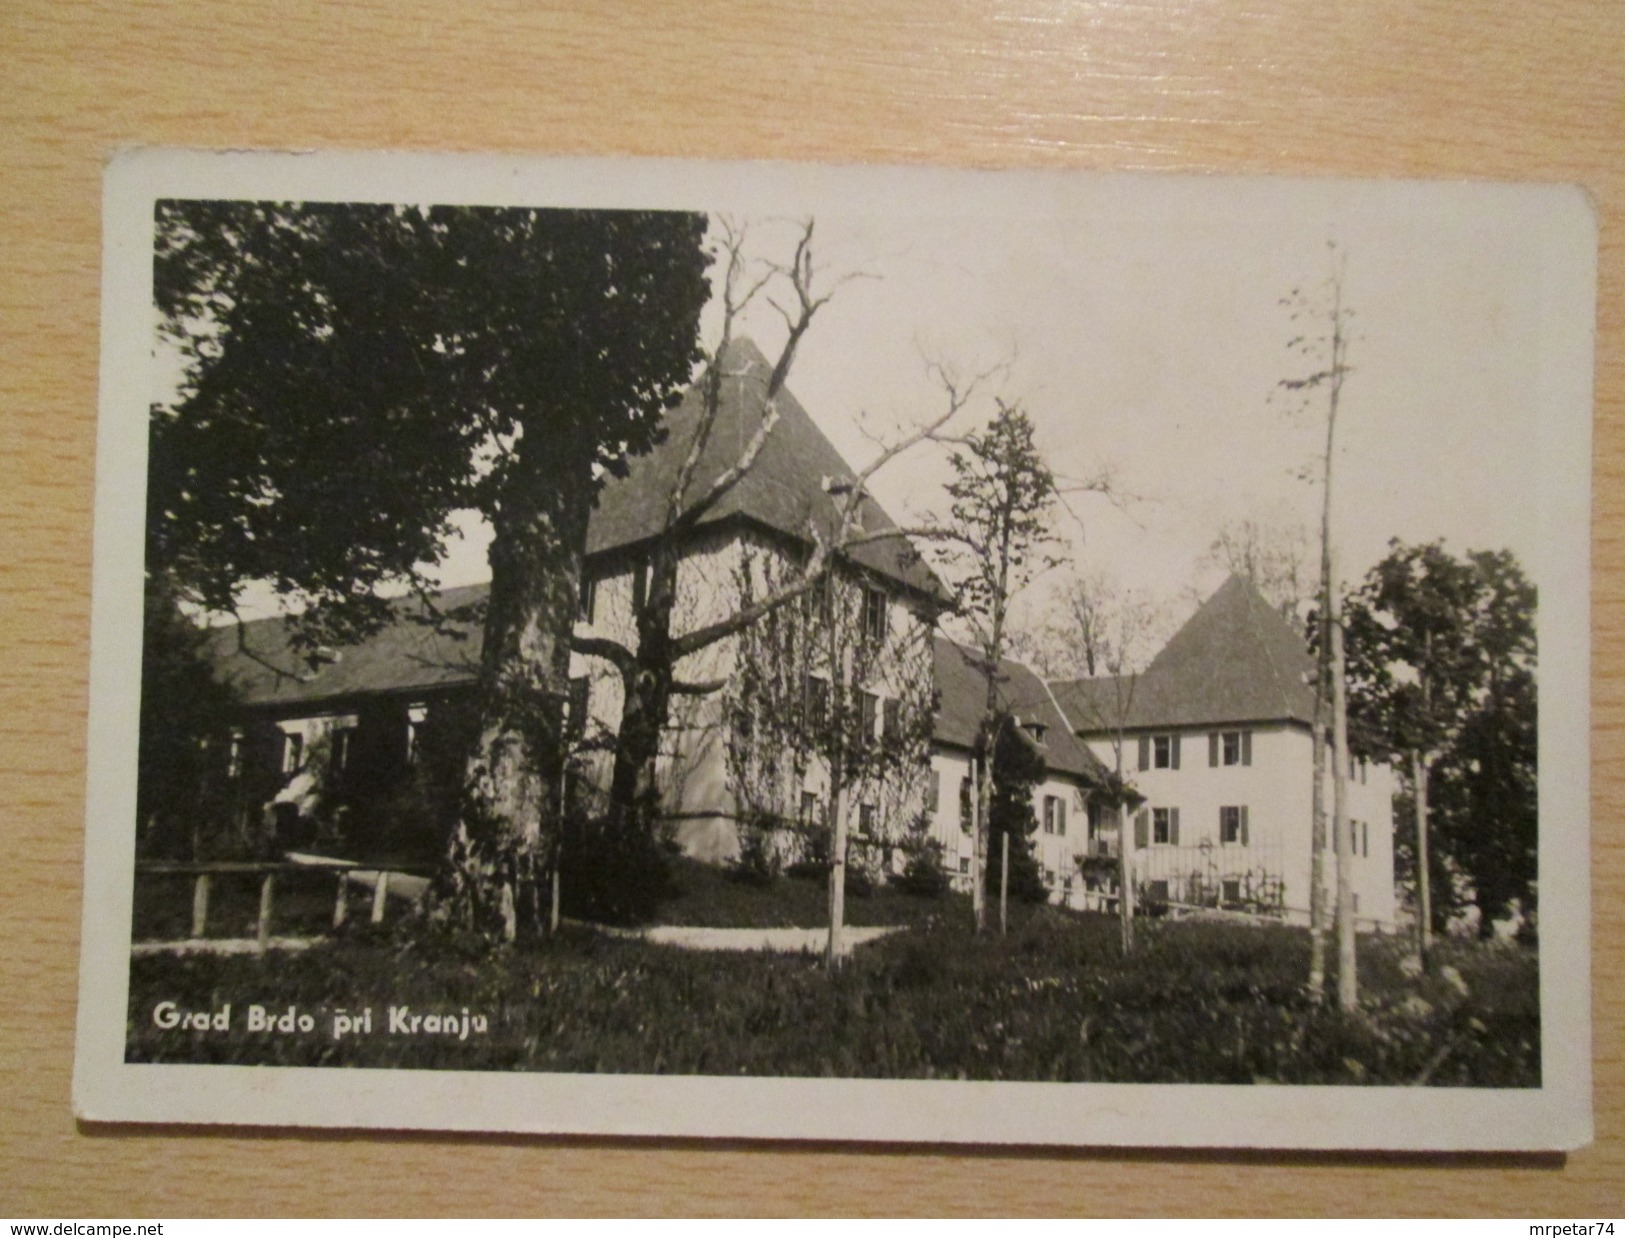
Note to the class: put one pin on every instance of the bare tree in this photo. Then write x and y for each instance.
(1114, 631)
(1271, 552)
(1324, 341)
(648, 666)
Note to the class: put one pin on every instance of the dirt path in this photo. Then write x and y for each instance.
(780, 940)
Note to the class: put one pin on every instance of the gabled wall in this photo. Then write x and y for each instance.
(712, 771)
(1275, 788)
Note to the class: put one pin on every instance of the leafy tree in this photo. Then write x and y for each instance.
(1002, 497)
(182, 802)
(355, 375)
(1019, 768)
(1442, 684)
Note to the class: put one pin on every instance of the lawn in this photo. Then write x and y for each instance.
(1055, 1000)
(713, 897)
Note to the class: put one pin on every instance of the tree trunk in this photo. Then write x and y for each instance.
(835, 954)
(1317, 837)
(497, 876)
(980, 819)
(633, 792)
(1348, 991)
(1424, 900)
(1125, 888)
(1004, 884)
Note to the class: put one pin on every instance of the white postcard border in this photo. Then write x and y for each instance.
(107, 1089)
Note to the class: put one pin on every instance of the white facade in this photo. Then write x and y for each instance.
(1234, 819)
(706, 762)
(1060, 806)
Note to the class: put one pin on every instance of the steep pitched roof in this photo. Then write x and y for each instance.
(782, 491)
(962, 694)
(406, 656)
(1235, 660)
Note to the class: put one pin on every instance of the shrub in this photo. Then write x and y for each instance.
(924, 874)
(858, 882)
(612, 872)
(758, 863)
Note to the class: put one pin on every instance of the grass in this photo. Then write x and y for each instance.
(712, 897)
(302, 905)
(1055, 1000)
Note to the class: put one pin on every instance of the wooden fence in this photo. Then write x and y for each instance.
(204, 874)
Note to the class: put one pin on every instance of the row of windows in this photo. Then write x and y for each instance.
(813, 814)
(1160, 827)
(873, 712)
(1054, 815)
(1223, 748)
(875, 603)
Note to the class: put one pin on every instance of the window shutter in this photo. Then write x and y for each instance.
(1060, 815)
(1173, 827)
(1246, 747)
(1142, 829)
(1145, 752)
(1212, 748)
(1244, 825)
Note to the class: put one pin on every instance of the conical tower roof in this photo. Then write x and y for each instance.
(783, 491)
(1236, 660)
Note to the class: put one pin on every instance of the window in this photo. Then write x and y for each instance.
(640, 585)
(1054, 815)
(340, 749)
(1066, 883)
(1159, 752)
(416, 716)
(933, 791)
(816, 701)
(1230, 748)
(868, 717)
(293, 751)
(874, 615)
(891, 719)
(1230, 890)
(1165, 826)
(965, 805)
(234, 755)
(1233, 825)
(589, 597)
(964, 863)
(1157, 891)
(1356, 900)
(809, 808)
(866, 820)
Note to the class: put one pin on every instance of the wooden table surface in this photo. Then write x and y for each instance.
(1503, 89)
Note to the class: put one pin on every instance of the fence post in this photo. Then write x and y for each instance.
(1004, 883)
(264, 928)
(379, 894)
(200, 904)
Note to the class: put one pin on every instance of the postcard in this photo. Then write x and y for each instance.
(631, 647)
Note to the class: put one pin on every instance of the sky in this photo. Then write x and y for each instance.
(1140, 321)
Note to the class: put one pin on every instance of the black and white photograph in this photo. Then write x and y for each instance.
(621, 647)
